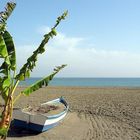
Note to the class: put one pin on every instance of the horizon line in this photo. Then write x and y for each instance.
(86, 77)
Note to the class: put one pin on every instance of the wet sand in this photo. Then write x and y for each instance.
(95, 114)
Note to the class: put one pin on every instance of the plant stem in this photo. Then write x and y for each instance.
(14, 75)
(17, 97)
(14, 88)
(11, 112)
(6, 116)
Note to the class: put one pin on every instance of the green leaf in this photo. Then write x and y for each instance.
(3, 131)
(21, 77)
(5, 14)
(11, 49)
(6, 83)
(41, 83)
(3, 50)
(27, 74)
(4, 68)
(4, 71)
(7, 51)
(5, 94)
(54, 32)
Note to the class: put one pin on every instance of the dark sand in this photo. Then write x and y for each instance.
(95, 114)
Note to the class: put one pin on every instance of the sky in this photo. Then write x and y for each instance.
(99, 38)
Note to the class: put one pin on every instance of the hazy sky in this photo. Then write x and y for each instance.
(99, 38)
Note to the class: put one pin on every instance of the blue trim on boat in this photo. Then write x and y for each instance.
(63, 102)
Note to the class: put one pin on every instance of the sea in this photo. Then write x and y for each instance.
(88, 82)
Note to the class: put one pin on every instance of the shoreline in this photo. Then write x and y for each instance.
(89, 87)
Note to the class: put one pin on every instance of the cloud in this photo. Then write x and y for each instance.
(83, 59)
(43, 30)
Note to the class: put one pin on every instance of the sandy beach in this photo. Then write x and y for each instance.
(95, 114)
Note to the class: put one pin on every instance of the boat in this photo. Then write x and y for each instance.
(40, 122)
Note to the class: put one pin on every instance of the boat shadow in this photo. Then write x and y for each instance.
(21, 132)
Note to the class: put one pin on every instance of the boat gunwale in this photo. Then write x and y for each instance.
(58, 100)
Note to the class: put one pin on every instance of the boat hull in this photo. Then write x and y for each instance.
(40, 122)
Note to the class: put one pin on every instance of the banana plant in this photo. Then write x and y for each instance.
(9, 78)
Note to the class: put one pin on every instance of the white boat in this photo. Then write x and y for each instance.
(40, 122)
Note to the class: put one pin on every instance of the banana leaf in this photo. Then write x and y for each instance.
(4, 68)
(31, 61)
(7, 52)
(42, 83)
(4, 15)
(11, 49)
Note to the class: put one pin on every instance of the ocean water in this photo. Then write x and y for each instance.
(90, 82)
